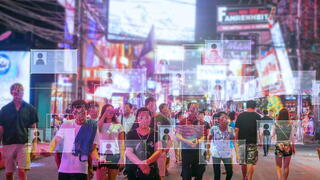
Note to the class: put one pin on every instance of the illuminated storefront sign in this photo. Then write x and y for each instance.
(214, 72)
(269, 71)
(282, 55)
(242, 18)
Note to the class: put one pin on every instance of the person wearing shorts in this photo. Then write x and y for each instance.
(251, 154)
(15, 120)
(246, 134)
(111, 145)
(283, 130)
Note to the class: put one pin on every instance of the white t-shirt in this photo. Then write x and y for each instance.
(109, 137)
(70, 163)
(208, 119)
(221, 142)
(127, 122)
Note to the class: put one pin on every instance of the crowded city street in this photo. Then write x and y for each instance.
(159, 89)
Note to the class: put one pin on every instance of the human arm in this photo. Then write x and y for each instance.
(53, 144)
(293, 139)
(236, 134)
(133, 158)
(1, 132)
(184, 140)
(55, 141)
(101, 121)
(122, 148)
(154, 157)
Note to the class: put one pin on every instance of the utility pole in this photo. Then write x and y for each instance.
(79, 44)
(298, 51)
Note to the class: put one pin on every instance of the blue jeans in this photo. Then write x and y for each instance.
(266, 144)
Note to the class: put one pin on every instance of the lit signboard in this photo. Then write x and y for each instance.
(242, 18)
(269, 71)
(14, 68)
(282, 55)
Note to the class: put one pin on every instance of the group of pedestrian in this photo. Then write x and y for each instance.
(129, 143)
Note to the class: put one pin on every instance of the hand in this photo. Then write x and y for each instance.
(208, 155)
(45, 153)
(195, 142)
(144, 168)
(103, 116)
(121, 163)
(237, 158)
(293, 150)
(189, 142)
(32, 156)
(90, 173)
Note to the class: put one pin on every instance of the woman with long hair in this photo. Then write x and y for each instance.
(283, 131)
(111, 146)
(143, 149)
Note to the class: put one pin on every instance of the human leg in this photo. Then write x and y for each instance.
(22, 161)
(228, 166)
(186, 164)
(112, 174)
(216, 168)
(9, 153)
(279, 167)
(286, 165)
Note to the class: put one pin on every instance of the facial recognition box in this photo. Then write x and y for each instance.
(211, 72)
(287, 131)
(191, 133)
(213, 151)
(265, 127)
(108, 147)
(224, 51)
(265, 131)
(121, 81)
(36, 136)
(213, 53)
(166, 134)
(139, 148)
(45, 61)
(109, 151)
(316, 92)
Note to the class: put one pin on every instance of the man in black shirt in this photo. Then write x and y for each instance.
(246, 130)
(15, 120)
(151, 105)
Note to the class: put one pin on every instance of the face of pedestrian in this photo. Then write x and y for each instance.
(166, 110)
(110, 112)
(194, 108)
(201, 116)
(93, 112)
(152, 106)
(17, 93)
(126, 109)
(80, 114)
(223, 120)
(144, 119)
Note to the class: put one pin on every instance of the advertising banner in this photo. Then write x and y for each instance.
(242, 18)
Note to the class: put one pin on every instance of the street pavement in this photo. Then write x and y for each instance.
(305, 165)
